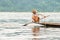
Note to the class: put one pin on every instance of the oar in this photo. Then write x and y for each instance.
(27, 23)
(45, 17)
(32, 22)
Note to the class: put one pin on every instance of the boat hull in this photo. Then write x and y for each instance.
(51, 24)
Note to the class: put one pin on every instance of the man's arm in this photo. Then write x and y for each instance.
(41, 14)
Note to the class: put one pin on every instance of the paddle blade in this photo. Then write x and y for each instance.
(25, 25)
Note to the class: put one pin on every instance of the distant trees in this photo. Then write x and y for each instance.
(28, 5)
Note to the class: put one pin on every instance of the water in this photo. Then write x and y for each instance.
(11, 27)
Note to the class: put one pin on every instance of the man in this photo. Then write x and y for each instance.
(35, 16)
(36, 19)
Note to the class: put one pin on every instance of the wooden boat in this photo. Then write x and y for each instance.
(50, 24)
(47, 24)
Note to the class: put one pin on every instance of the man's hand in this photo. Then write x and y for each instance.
(45, 16)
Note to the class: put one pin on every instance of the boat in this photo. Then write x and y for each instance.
(50, 24)
(35, 24)
(47, 24)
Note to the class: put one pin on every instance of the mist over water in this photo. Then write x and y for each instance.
(11, 26)
(27, 16)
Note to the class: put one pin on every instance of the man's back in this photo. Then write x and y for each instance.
(35, 18)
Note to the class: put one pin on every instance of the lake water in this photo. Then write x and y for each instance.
(11, 26)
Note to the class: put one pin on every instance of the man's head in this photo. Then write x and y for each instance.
(34, 11)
